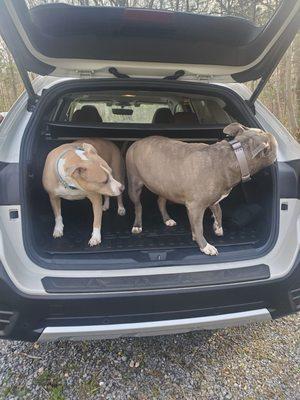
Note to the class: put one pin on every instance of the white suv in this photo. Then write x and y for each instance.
(143, 73)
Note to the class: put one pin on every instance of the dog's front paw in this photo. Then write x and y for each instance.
(96, 237)
(59, 228)
(58, 232)
(121, 211)
(170, 222)
(210, 250)
(136, 230)
(94, 241)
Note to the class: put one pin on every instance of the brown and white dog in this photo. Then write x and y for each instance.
(89, 168)
(195, 174)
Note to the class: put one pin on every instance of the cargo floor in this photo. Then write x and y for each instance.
(116, 231)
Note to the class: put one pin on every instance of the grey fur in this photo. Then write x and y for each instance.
(194, 174)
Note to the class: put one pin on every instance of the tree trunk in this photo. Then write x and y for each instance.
(14, 84)
(292, 122)
(297, 76)
(277, 86)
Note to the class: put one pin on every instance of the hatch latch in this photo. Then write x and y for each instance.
(117, 74)
(177, 74)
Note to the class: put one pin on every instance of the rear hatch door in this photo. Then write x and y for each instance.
(64, 40)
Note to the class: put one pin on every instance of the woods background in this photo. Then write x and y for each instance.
(281, 95)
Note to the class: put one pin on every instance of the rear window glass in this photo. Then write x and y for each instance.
(141, 107)
(139, 113)
(258, 12)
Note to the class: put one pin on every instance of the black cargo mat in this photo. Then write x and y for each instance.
(116, 231)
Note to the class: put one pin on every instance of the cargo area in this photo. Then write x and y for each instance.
(248, 212)
(245, 214)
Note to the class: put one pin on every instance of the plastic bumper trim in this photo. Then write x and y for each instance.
(153, 328)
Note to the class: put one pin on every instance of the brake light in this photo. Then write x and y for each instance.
(147, 15)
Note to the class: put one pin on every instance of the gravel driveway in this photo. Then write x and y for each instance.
(254, 362)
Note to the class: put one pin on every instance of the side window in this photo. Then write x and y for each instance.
(212, 111)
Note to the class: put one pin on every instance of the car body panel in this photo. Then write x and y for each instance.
(26, 277)
(31, 315)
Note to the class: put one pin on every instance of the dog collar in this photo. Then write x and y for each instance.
(65, 184)
(241, 158)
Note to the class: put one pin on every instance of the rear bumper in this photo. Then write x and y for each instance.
(151, 312)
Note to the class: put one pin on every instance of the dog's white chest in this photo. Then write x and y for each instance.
(69, 194)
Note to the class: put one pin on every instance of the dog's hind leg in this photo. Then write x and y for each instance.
(56, 207)
(164, 213)
(118, 168)
(135, 186)
(105, 206)
(196, 213)
(121, 208)
(217, 214)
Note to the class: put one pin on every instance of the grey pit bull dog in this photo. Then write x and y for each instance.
(89, 168)
(196, 174)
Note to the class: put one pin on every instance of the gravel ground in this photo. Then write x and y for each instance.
(255, 362)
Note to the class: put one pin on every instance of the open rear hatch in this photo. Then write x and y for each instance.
(64, 40)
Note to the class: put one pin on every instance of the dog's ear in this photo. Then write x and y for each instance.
(234, 129)
(75, 170)
(258, 148)
(89, 148)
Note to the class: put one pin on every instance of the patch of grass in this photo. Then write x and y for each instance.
(16, 391)
(56, 393)
(11, 390)
(44, 378)
(52, 384)
(155, 391)
(90, 387)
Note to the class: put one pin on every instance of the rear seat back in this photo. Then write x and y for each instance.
(163, 116)
(186, 118)
(87, 115)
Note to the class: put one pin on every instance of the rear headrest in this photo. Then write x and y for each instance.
(87, 115)
(186, 118)
(163, 116)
